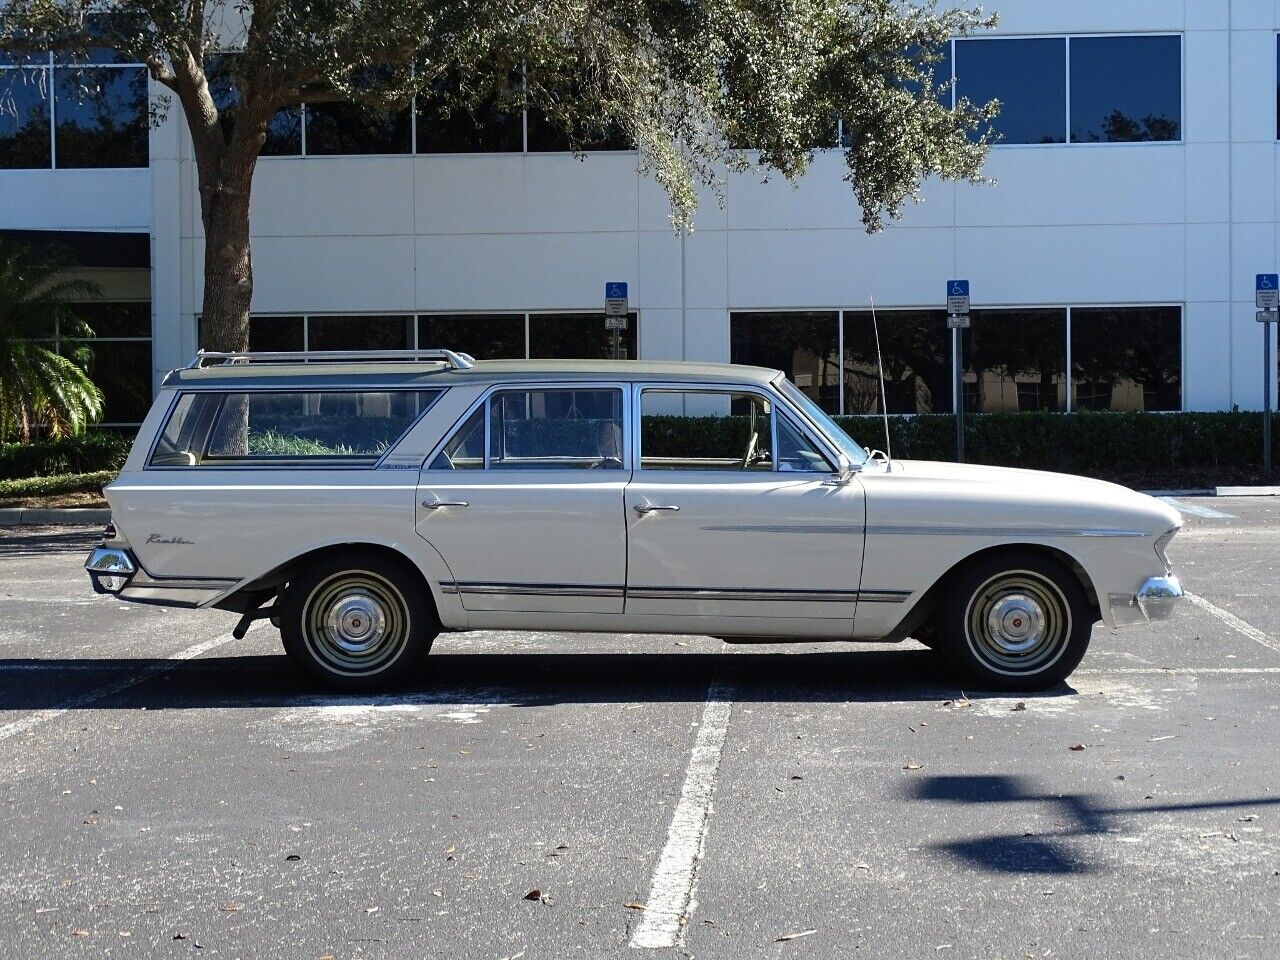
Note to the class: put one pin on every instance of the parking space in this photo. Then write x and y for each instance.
(172, 791)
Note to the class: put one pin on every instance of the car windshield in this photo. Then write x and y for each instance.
(822, 420)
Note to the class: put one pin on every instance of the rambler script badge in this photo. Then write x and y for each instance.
(157, 538)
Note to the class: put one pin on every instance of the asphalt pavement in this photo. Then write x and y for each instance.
(171, 791)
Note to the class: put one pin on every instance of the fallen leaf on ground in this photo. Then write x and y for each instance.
(79, 933)
(635, 906)
(232, 908)
(913, 766)
(795, 936)
(371, 909)
(293, 856)
(1076, 746)
(534, 894)
(1020, 705)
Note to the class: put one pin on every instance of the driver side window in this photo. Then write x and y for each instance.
(705, 430)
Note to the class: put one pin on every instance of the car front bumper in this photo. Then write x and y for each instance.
(1156, 599)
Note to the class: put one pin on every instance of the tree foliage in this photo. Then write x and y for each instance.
(689, 82)
(41, 390)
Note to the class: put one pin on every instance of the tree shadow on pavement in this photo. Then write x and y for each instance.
(25, 545)
(1052, 852)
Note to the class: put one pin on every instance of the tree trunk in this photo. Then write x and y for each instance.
(228, 271)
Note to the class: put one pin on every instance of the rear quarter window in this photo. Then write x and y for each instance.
(286, 428)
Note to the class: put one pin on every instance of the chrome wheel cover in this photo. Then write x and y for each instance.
(1018, 622)
(355, 623)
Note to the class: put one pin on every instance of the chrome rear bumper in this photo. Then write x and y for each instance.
(110, 569)
(1156, 599)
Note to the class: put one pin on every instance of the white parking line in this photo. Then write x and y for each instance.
(1234, 622)
(674, 880)
(1198, 511)
(37, 717)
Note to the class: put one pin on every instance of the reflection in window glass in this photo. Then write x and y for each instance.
(1015, 360)
(1027, 76)
(546, 136)
(495, 125)
(797, 453)
(579, 336)
(486, 336)
(465, 449)
(102, 117)
(915, 346)
(349, 128)
(24, 120)
(275, 334)
(555, 429)
(360, 333)
(705, 430)
(284, 131)
(1126, 89)
(343, 426)
(1126, 358)
(802, 344)
(122, 371)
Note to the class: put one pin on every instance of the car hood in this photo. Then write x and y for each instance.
(1008, 495)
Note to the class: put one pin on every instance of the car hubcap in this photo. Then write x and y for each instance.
(356, 623)
(1018, 623)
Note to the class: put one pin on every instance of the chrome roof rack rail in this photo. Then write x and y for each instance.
(455, 361)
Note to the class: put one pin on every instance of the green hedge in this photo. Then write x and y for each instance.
(93, 451)
(1083, 442)
(49, 486)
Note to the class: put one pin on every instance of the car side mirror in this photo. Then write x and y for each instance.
(843, 474)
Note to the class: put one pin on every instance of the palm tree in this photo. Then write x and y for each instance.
(42, 390)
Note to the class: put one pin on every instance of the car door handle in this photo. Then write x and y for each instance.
(645, 508)
(437, 504)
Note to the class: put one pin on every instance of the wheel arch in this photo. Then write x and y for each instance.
(257, 590)
(922, 612)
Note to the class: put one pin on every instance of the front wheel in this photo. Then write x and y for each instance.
(358, 621)
(1015, 622)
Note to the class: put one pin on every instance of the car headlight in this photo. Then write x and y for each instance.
(1162, 545)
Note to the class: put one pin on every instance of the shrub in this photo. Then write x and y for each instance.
(89, 452)
(49, 486)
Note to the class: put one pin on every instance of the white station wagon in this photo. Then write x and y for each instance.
(367, 503)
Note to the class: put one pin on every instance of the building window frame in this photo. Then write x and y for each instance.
(50, 65)
(1067, 37)
(1068, 376)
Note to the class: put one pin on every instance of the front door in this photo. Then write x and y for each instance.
(732, 513)
(525, 501)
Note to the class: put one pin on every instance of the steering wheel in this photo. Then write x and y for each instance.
(752, 450)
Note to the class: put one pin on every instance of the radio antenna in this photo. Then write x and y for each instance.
(884, 406)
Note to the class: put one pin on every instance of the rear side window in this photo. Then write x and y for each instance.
(284, 428)
(539, 429)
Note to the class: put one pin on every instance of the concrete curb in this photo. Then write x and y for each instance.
(1248, 491)
(52, 517)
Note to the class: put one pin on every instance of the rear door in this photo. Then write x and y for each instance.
(524, 501)
(732, 512)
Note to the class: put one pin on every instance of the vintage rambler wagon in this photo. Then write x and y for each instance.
(366, 503)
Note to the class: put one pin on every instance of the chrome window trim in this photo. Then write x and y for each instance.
(435, 391)
(776, 402)
(529, 386)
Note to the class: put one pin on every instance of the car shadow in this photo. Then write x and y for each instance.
(514, 679)
(1041, 852)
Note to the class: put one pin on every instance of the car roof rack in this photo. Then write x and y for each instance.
(205, 358)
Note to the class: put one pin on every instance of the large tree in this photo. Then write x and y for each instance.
(689, 82)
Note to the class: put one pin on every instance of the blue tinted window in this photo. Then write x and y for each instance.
(284, 131)
(1028, 77)
(24, 119)
(1126, 89)
(102, 117)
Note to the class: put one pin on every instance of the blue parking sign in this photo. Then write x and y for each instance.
(957, 288)
(615, 290)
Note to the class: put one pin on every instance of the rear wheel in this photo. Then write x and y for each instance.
(1015, 622)
(358, 621)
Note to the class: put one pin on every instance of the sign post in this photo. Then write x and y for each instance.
(615, 314)
(957, 322)
(1267, 298)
